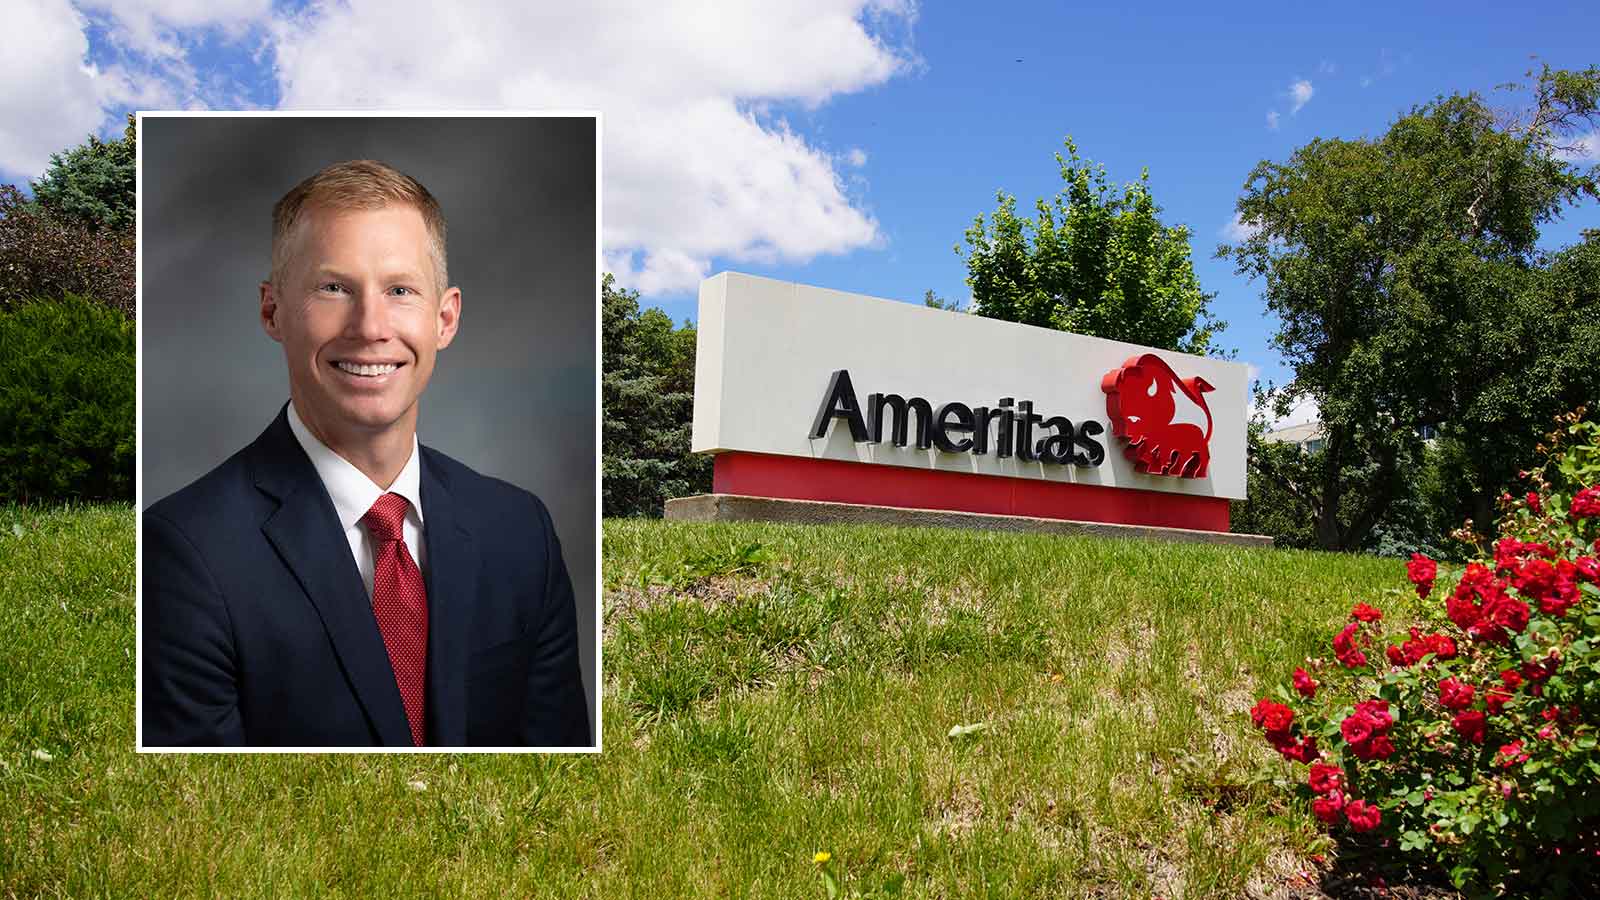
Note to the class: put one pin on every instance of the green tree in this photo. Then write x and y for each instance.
(1409, 290)
(647, 402)
(934, 301)
(93, 183)
(1094, 260)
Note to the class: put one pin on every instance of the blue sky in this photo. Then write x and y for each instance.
(848, 143)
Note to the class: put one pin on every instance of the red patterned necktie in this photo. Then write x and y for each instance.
(400, 604)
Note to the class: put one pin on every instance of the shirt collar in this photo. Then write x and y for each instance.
(353, 493)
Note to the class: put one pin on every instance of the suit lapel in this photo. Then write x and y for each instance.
(451, 579)
(305, 532)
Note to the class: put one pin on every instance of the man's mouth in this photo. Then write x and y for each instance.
(366, 370)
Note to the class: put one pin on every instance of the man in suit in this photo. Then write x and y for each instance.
(335, 583)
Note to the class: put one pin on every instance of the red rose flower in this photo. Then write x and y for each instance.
(1396, 655)
(1470, 724)
(1563, 595)
(1534, 504)
(1443, 646)
(1422, 570)
(1495, 699)
(1463, 610)
(1273, 718)
(1356, 729)
(1379, 747)
(1363, 816)
(1325, 778)
(1327, 808)
(1377, 713)
(1477, 579)
(1541, 670)
(1455, 695)
(1586, 505)
(1304, 683)
(1588, 568)
(1507, 612)
(1298, 749)
(1535, 578)
(1346, 649)
(1510, 754)
(1510, 679)
(1508, 553)
(1366, 613)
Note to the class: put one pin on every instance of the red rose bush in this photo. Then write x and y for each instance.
(1471, 737)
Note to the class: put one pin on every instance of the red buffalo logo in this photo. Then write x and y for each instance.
(1164, 418)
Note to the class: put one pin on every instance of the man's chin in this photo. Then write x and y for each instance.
(365, 418)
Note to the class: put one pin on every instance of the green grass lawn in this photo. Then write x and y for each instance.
(759, 707)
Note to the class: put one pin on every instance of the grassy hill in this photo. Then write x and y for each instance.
(770, 692)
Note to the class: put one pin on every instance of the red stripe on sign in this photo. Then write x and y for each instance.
(799, 478)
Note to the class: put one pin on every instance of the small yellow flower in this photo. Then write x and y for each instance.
(822, 857)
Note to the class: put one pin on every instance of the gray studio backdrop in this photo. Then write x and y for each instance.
(512, 397)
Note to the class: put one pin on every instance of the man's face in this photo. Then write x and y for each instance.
(360, 317)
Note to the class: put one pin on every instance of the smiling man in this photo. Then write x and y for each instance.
(335, 583)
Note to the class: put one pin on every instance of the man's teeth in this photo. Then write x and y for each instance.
(356, 369)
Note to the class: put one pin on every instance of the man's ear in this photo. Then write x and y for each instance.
(269, 311)
(449, 316)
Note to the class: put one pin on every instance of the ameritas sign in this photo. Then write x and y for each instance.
(805, 393)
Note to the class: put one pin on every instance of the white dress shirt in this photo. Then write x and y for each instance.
(354, 493)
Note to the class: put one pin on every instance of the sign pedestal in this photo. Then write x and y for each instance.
(744, 508)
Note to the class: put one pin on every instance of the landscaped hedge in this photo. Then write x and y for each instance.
(66, 401)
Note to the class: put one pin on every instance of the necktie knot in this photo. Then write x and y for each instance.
(385, 519)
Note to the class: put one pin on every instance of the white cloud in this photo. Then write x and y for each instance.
(700, 162)
(1303, 412)
(152, 28)
(1386, 67)
(1299, 95)
(1272, 120)
(697, 165)
(1238, 230)
(1584, 149)
(51, 96)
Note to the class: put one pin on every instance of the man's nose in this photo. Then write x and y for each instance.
(369, 316)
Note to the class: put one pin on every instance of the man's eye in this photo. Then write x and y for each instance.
(399, 291)
(332, 287)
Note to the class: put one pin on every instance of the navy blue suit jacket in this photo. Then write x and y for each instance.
(258, 631)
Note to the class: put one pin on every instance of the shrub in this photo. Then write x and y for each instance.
(44, 255)
(66, 401)
(1472, 738)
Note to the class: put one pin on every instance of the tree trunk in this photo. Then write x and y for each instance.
(1328, 531)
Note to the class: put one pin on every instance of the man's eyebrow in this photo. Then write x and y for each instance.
(402, 274)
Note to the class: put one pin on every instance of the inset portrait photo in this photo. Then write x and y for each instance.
(367, 431)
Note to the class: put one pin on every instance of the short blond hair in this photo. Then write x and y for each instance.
(358, 184)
